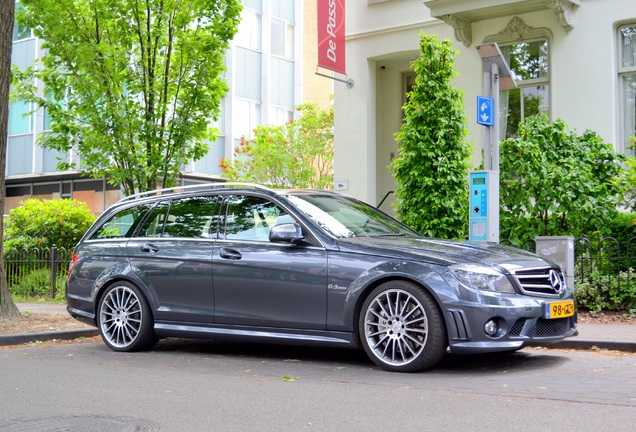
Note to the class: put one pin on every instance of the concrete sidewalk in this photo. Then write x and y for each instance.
(620, 337)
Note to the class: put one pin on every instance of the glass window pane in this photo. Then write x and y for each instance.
(20, 155)
(194, 217)
(122, 224)
(50, 159)
(247, 76)
(628, 42)
(278, 38)
(19, 31)
(535, 101)
(284, 9)
(289, 42)
(19, 122)
(251, 218)
(629, 111)
(529, 60)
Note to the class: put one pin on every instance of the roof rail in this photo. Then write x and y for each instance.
(203, 186)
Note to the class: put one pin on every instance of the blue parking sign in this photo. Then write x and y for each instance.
(485, 111)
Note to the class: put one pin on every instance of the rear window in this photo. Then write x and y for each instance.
(121, 224)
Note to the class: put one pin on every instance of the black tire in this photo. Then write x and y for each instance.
(401, 327)
(124, 318)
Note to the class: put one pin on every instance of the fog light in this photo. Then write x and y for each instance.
(490, 328)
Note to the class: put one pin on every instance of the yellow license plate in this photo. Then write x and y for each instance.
(558, 309)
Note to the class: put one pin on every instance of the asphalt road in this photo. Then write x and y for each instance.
(203, 386)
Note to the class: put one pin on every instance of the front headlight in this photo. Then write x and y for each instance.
(482, 278)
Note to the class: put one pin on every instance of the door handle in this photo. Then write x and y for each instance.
(148, 247)
(230, 254)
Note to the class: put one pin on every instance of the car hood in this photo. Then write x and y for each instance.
(443, 252)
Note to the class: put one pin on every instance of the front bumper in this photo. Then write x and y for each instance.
(517, 325)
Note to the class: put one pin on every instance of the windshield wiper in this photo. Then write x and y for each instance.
(396, 234)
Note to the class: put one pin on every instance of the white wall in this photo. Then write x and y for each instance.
(583, 79)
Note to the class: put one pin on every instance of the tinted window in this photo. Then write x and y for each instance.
(251, 218)
(122, 224)
(194, 217)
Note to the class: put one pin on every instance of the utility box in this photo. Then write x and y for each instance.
(483, 209)
(560, 250)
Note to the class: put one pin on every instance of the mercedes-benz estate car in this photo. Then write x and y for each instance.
(246, 263)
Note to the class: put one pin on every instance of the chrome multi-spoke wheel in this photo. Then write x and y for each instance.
(401, 327)
(125, 320)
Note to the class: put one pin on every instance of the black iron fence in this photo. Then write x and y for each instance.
(37, 272)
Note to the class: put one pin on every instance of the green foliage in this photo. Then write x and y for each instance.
(130, 86)
(44, 223)
(555, 182)
(298, 154)
(433, 161)
(601, 291)
(628, 182)
(37, 283)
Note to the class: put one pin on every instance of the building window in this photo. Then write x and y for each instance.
(282, 39)
(19, 31)
(529, 63)
(280, 115)
(249, 32)
(20, 118)
(246, 116)
(627, 80)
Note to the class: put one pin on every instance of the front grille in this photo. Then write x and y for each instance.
(516, 328)
(551, 327)
(537, 281)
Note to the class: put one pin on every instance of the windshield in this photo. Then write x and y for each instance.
(342, 217)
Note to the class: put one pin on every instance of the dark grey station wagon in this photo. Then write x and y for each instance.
(248, 263)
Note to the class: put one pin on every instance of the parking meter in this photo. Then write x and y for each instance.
(484, 206)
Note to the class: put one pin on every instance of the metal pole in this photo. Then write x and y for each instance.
(495, 127)
(53, 270)
(486, 130)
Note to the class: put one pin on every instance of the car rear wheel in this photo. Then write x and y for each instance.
(401, 327)
(125, 319)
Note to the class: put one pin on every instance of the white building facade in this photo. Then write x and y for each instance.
(571, 59)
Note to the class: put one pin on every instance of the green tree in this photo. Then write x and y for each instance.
(298, 154)
(7, 10)
(131, 86)
(555, 182)
(433, 162)
(43, 223)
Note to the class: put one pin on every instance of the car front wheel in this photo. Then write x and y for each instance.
(401, 327)
(125, 319)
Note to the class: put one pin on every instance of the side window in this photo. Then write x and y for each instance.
(153, 226)
(122, 224)
(195, 217)
(251, 218)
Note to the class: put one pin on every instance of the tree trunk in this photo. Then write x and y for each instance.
(7, 11)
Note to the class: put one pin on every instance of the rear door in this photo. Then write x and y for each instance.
(172, 253)
(259, 283)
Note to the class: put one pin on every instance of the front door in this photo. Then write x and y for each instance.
(259, 283)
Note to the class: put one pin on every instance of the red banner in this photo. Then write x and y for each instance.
(331, 35)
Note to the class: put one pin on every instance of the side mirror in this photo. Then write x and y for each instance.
(286, 233)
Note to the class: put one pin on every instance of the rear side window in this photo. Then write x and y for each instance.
(194, 217)
(121, 224)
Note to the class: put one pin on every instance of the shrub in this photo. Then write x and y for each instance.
(432, 166)
(600, 291)
(44, 223)
(555, 182)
